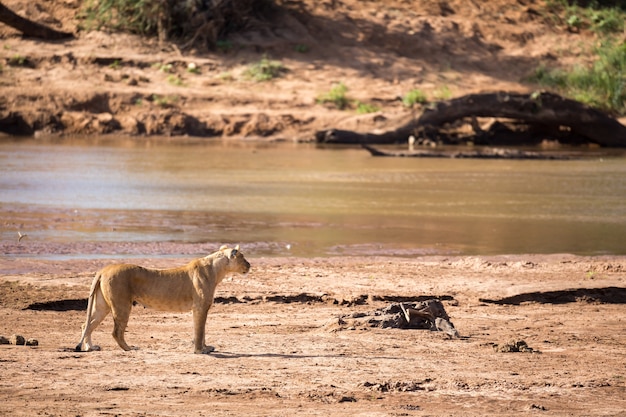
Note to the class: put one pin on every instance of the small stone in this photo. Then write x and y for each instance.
(4, 340)
(32, 342)
(16, 339)
(346, 399)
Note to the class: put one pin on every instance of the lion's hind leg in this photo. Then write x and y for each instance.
(95, 314)
(121, 313)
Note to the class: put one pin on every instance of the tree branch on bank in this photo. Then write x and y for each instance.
(548, 112)
(28, 27)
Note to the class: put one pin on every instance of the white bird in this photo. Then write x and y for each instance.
(411, 142)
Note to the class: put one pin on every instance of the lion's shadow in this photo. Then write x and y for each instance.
(235, 355)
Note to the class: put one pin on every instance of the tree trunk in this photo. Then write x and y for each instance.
(547, 110)
(28, 27)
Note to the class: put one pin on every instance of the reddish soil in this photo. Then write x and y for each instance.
(281, 352)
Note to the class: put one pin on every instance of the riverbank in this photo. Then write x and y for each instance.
(279, 350)
(103, 83)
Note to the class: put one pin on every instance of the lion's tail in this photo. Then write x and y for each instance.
(94, 286)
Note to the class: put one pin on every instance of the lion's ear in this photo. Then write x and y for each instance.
(223, 247)
(237, 247)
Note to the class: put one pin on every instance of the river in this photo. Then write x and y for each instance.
(301, 200)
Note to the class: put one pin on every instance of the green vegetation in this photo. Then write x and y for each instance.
(115, 64)
(603, 20)
(601, 84)
(199, 23)
(336, 96)
(168, 68)
(226, 76)
(192, 68)
(443, 93)
(264, 70)
(135, 16)
(176, 80)
(224, 45)
(414, 97)
(164, 101)
(301, 48)
(364, 108)
(17, 60)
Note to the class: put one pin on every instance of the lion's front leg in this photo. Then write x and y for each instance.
(199, 322)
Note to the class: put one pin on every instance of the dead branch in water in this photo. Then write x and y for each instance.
(567, 120)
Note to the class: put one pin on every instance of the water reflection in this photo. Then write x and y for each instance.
(312, 201)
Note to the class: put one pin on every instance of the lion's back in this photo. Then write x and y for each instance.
(168, 289)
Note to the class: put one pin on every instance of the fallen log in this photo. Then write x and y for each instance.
(28, 27)
(486, 153)
(569, 120)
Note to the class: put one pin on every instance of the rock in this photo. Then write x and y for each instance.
(515, 346)
(32, 342)
(4, 340)
(16, 339)
(347, 399)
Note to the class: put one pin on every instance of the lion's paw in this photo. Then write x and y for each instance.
(206, 350)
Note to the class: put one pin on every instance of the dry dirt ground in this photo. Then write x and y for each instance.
(380, 50)
(280, 350)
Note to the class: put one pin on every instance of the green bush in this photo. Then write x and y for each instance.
(601, 84)
(607, 21)
(136, 16)
(604, 18)
(336, 96)
(364, 108)
(414, 97)
(185, 21)
(264, 70)
(443, 93)
(17, 60)
(175, 80)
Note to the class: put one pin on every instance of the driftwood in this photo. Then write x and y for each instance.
(568, 120)
(28, 27)
(486, 153)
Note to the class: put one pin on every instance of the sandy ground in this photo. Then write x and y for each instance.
(280, 352)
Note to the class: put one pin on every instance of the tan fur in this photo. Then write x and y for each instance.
(189, 287)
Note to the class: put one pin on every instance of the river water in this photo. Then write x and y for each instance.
(300, 200)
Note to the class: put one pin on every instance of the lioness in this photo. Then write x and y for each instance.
(116, 287)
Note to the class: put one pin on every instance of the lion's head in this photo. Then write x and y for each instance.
(236, 261)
